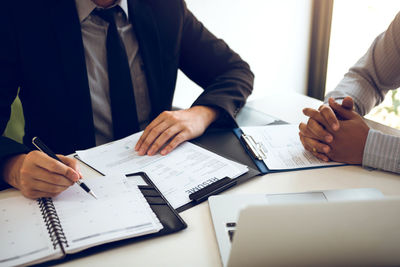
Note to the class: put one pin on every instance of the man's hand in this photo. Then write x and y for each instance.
(316, 135)
(348, 142)
(171, 128)
(37, 175)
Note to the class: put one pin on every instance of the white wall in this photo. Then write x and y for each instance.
(271, 35)
(353, 33)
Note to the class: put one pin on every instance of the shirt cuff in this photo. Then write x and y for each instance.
(382, 151)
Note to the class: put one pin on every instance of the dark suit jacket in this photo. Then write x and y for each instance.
(41, 51)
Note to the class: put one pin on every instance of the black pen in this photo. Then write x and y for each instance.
(42, 147)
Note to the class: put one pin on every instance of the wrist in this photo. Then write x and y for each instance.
(11, 170)
(208, 114)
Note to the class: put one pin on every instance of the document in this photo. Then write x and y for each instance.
(283, 147)
(185, 170)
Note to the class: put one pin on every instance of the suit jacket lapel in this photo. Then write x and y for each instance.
(146, 30)
(67, 26)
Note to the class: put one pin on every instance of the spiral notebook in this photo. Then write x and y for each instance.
(34, 231)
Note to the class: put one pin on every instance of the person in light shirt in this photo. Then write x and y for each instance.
(337, 131)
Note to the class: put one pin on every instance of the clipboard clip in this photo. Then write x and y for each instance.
(212, 189)
(255, 148)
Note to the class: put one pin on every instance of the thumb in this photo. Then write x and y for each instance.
(343, 112)
(72, 163)
(348, 103)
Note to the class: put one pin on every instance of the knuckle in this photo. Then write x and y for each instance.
(190, 129)
(166, 134)
(34, 153)
(325, 109)
(322, 107)
(24, 172)
(24, 185)
(166, 113)
(178, 139)
(310, 123)
(153, 133)
(58, 179)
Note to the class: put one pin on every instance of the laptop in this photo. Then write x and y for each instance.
(283, 229)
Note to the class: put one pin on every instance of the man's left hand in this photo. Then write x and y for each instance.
(172, 128)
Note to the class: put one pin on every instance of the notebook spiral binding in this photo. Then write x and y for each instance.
(53, 224)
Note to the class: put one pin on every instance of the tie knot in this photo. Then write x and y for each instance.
(107, 14)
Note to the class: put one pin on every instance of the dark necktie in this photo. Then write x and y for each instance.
(123, 105)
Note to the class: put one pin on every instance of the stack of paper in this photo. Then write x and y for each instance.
(183, 171)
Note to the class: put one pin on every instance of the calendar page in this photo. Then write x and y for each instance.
(120, 211)
(24, 236)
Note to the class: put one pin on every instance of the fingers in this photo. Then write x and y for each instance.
(43, 176)
(313, 145)
(316, 148)
(155, 135)
(329, 116)
(43, 161)
(73, 163)
(35, 194)
(171, 128)
(46, 185)
(344, 113)
(143, 137)
(314, 130)
(317, 116)
(178, 139)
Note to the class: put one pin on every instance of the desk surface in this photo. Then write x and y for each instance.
(196, 245)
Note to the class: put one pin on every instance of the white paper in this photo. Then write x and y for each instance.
(186, 169)
(120, 211)
(284, 148)
(23, 235)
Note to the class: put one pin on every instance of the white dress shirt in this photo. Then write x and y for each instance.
(94, 36)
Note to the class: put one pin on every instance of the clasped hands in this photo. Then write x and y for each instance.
(335, 132)
(37, 175)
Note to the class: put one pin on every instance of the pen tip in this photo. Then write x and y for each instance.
(91, 192)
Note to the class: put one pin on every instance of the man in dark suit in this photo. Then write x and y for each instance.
(92, 71)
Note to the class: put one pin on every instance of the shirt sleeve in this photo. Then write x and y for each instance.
(382, 151)
(367, 82)
(377, 72)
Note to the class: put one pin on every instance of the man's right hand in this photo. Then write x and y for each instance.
(37, 175)
(316, 134)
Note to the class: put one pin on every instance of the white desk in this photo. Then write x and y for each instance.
(196, 245)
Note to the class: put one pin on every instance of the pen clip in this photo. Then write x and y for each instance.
(255, 148)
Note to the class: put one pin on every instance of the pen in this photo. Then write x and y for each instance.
(42, 147)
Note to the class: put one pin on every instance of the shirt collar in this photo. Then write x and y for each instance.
(85, 7)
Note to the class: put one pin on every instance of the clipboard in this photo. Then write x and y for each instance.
(224, 142)
(237, 146)
(257, 153)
